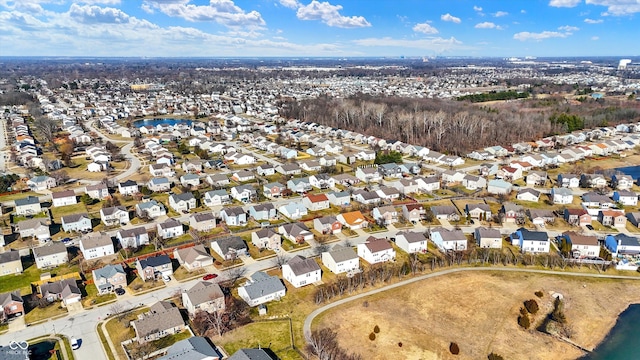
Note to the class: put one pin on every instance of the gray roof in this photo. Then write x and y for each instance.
(52, 248)
(9, 256)
(95, 240)
(449, 235)
(203, 216)
(488, 233)
(63, 194)
(233, 211)
(251, 354)
(204, 291)
(533, 192)
(443, 210)
(112, 210)
(182, 197)
(137, 231)
(107, 271)
(159, 318)
(6, 298)
(262, 284)
(301, 265)
(155, 261)
(533, 235)
(147, 204)
(562, 191)
(70, 219)
(340, 253)
(193, 348)
(412, 236)
(170, 223)
(64, 287)
(29, 200)
(232, 242)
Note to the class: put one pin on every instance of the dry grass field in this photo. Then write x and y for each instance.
(478, 311)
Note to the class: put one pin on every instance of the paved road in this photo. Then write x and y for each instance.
(309, 319)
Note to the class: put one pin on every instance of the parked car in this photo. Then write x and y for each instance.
(166, 278)
(74, 343)
(209, 276)
(119, 291)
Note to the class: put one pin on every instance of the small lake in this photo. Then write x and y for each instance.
(156, 122)
(633, 171)
(623, 340)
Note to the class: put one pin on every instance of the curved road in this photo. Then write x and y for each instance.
(134, 161)
(306, 328)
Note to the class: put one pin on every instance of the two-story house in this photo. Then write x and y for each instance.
(76, 222)
(115, 215)
(182, 202)
(411, 242)
(301, 271)
(132, 238)
(170, 228)
(203, 296)
(94, 246)
(63, 198)
(376, 250)
(154, 267)
(109, 278)
(341, 259)
(50, 255)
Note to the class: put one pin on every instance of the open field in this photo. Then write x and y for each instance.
(478, 311)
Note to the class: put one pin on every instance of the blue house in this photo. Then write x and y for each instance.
(621, 244)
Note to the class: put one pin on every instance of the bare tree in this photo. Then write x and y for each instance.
(280, 259)
(235, 274)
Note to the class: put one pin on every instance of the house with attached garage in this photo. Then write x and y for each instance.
(342, 198)
(182, 202)
(98, 191)
(273, 190)
(116, 215)
(63, 198)
(230, 247)
(296, 232)
(10, 263)
(266, 239)
(366, 197)
(216, 198)
(289, 169)
(528, 194)
(293, 210)
(109, 278)
(568, 180)
(428, 184)
(150, 209)
(537, 178)
(170, 228)
(261, 288)
(203, 296)
(315, 202)
(154, 267)
(38, 228)
(621, 182)
(353, 220)
(341, 259)
(95, 246)
(413, 212)
(244, 193)
(531, 241)
(301, 271)
(163, 319)
(625, 197)
(161, 170)
(204, 221)
(593, 181)
(243, 176)
(488, 238)
(622, 245)
(368, 174)
(266, 170)
(322, 181)
(615, 218)
(132, 238)
(234, 216)
(582, 245)
(190, 180)
(498, 186)
(634, 218)
(541, 217)
(445, 212)
(193, 258)
(11, 305)
(217, 180)
(128, 188)
(327, 225)
(454, 240)
(66, 291)
(478, 211)
(76, 222)
(577, 217)
(28, 206)
(411, 242)
(40, 183)
(385, 215)
(50, 255)
(376, 250)
(159, 184)
(472, 182)
(264, 211)
(300, 185)
(561, 195)
(512, 213)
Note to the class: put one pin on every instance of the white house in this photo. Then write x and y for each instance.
(50, 255)
(115, 215)
(562, 195)
(341, 259)
(133, 237)
(411, 242)
(170, 228)
(128, 187)
(301, 271)
(488, 238)
(63, 198)
(582, 245)
(376, 250)
(449, 239)
(94, 246)
(261, 288)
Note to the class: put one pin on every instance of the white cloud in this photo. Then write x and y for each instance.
(500, 13)
(592, 21)
(435, 44)
(223, 12)
(291, 4)
(425, 28)
(90, 14)
(477, 8)
(525, 35)
(564, 3)
(487, 25)
(617, 7)
(595, 38)
(330, 15)
(568, 28)
(451, 18)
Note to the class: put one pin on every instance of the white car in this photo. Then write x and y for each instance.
(166, 278)
(74, 343)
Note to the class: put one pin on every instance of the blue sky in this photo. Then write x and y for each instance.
(334, 28)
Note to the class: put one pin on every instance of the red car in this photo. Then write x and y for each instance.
(209, 276)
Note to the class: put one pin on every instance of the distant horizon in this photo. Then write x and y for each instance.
(318, 28)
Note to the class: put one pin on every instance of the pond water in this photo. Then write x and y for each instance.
(156, 122)
(623, 340)
(633, 171)
(41, 350)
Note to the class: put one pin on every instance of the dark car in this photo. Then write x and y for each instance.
(119, 291)
(209, 276)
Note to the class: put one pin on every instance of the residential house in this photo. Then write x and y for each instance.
(193, 258)
(472, 182)
(368, 174)
(509, 173)
(243, 176)
(150, 209)
(612, 218)
(498, 186)
(341, 259)
(163, 319)
(315, 202)
(512, 213)
(385, 215)
(193, 348)
(299, 185)
(376, 250)
(322, 181)
(582, 245)
(217, 180)
(296, 232)
(203, 296)
(40, 183)
(428, 184)
(540, 217)
(170, 228)
(593, 181)
(478, 211)
(634, 218)
(67, 291)
(204, 221)
(488, 238)
(388, 193)
(531, 241)
(234, 216)
(621, 182)
(161, 170)
(28, 206)
(449, 240)
(289, 169)
(342, 198)
(625, 197)
(183, 202)
(192, 166)
(577, 217)
(266, 170)
(537, 178)
(108, 278)
(445, 212)
(115, 215)
(593, 199)
(251, 354)
(528, 194)
(50, 255)
(568, 181)
(327, 225)
(413, 212)
(159, 184)
(244, 193)
(266, 239)
(411, 242)
(133, 238)
(293, 210)
(273, 190)
(128, 188)
(353, 220)
(260, 289)
(390, 170)
(230, 247)
(216, 198)
(622, 245)
(561, 195)
(154, 267)
(63, 198)
(99, 191)
(94, 246)
(301, 271)
(11, 305)
(38, 228)
(10, 263)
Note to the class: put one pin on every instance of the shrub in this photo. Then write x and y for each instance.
(372, 336)
(531, 306)
(400, 344)
(539, 294)
(365, 303)
(454, 349)
(524, 322)
(494, 356)
(523, 311)
(376, 329)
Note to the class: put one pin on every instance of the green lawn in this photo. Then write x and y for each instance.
(179, 240)
(119, 331)
(267, 334)
(16, 196)
(58, 212)
(93, 298)
(31, 274)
